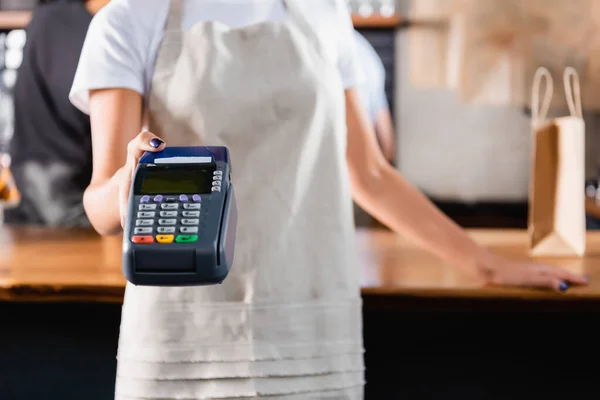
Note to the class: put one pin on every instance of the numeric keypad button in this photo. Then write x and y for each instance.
(165, 229)
(190, 214)
(169, 206)
(139, 231)
(190, 221)
(167, 221)
(191, 206)
(147, 207)
(144, 222)
(168, 214)
(188, 229)
(146, 214)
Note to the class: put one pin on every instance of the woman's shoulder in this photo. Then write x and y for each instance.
(330, 17)
(141, 16)
(329, 7)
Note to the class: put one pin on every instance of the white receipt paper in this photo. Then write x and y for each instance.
(183, 160)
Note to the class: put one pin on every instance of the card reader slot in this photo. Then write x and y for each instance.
(165, 262)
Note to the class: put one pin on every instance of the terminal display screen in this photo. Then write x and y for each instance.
(176, 181)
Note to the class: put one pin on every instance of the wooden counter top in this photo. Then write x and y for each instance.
(39, 264)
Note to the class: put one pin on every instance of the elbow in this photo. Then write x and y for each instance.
(367, 180)
(107, 230)
(102, 225)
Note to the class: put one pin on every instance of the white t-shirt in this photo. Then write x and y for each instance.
(123, 39)
(371, 72)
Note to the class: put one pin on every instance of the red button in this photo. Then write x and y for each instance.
(142, 239)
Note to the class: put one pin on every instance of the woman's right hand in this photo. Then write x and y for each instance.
(145, 141)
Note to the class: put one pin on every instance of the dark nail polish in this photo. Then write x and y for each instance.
(156, 143)
(563, 286)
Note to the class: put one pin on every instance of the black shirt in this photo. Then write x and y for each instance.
(51, 146)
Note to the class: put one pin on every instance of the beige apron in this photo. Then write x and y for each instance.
(287, 321)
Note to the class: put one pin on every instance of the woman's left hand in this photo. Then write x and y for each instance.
(501, 271)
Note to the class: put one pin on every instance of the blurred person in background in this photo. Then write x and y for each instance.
(275, 82)
(51, 146)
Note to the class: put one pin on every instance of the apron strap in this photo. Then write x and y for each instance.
(298, 17)
(172, 38)
(539, 114)
(573, 92)
(169, 50)
(175, 16)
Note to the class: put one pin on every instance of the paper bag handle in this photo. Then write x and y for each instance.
(539, 114)
(573, 92)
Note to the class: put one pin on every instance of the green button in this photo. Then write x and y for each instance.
(186, 238)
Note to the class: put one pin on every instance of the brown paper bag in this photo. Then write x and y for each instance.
(556, 196)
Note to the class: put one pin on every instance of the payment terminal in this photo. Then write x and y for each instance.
(182, 218)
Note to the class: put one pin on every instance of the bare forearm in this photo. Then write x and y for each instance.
(116, 118)
(380, 190)
(384, 193)
(384, 129)
(395, 202)
(101, 202)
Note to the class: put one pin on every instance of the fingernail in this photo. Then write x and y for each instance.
(563, 286)
(156, 143)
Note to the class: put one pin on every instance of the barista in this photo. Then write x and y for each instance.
(51, 156)
(274, 81)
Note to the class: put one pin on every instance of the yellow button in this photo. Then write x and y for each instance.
(165, 238)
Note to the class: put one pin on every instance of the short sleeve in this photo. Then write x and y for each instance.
(113, 54)
(372, 77)
(346, 46)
